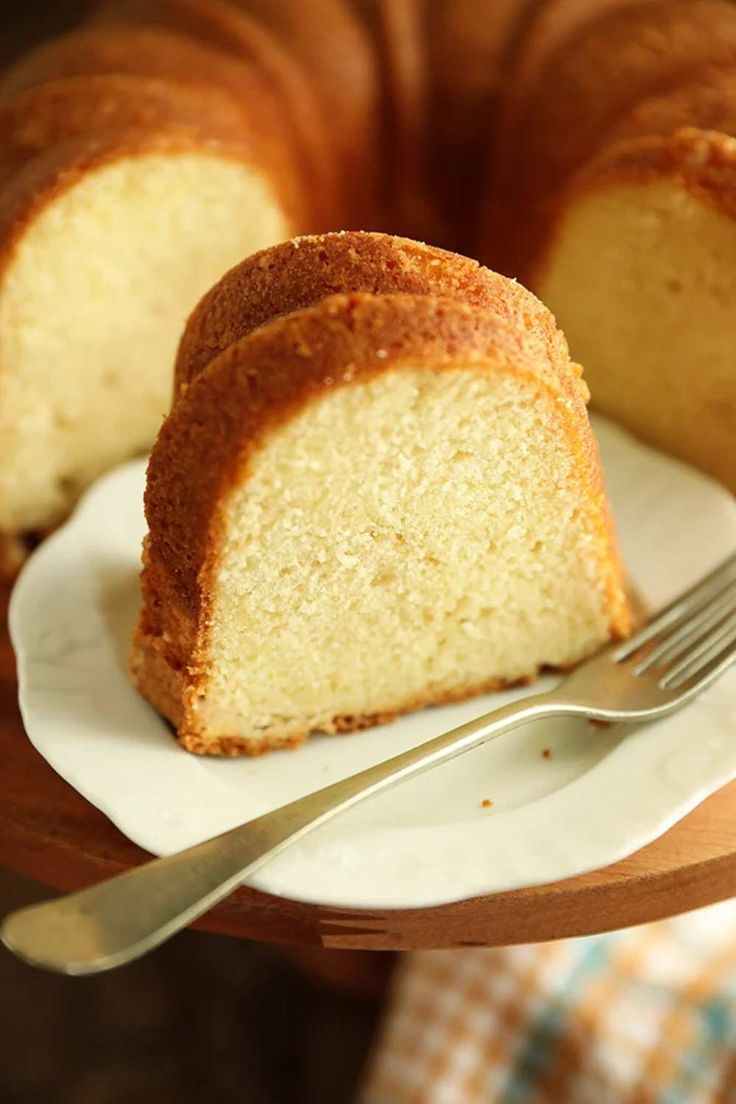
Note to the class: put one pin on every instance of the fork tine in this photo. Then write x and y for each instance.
(674, 642)
(708, 668)
(680, 608)
(701, 653)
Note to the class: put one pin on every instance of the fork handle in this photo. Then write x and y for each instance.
(120, 919)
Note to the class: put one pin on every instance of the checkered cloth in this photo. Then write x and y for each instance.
(644, 1016)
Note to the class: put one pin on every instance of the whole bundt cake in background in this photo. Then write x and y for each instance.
(583, 146)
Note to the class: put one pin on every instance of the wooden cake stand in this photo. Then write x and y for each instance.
(50, 833)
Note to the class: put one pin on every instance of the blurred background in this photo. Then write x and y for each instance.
(204, 1018)
(24, 24)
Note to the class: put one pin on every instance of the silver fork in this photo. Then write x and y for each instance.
(674, 657)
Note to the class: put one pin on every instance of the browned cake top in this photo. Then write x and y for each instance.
(35, 121)
(300, 273)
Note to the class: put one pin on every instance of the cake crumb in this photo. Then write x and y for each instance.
(486, 803)
(546, 753)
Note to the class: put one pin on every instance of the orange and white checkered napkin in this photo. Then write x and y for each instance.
(644, 1016)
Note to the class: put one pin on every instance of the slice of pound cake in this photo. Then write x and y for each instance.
(373, 503)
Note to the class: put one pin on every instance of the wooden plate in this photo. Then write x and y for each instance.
(49, 832)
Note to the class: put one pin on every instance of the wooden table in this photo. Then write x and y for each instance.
(50, 833)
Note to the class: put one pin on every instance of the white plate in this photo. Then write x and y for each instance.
(599, 797)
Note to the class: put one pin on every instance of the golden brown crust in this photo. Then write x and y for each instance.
(608, 65)
(206, 443)
(231, 747)
(158, 680)
(468, 43)
(192, 70)
(61, 109)
(218, 23)
(596, 75)
(548, 26)
(300, 273)
(133, 51)
(35, 121)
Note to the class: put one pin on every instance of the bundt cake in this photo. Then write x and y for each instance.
(266, 85)
(144, 154)
(184, 41)
(57, 111)
(366, 505)
(543, 29)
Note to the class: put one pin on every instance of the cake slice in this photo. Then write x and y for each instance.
(640, 268)
(365, 506)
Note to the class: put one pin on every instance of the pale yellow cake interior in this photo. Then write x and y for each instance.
(642, 278)
(92, 304)
(398, 541)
